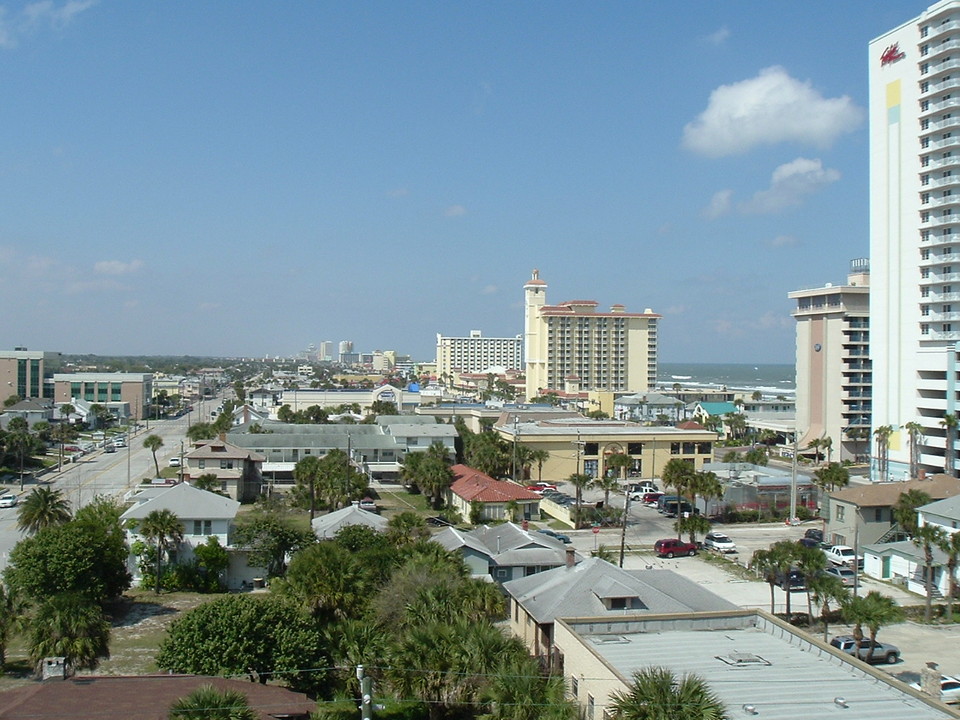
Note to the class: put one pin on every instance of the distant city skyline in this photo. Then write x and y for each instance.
(242, 179)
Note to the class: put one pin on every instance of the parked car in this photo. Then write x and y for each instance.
(554, 534)
(174, 461)
(437, 521)
(670, 547)
(8, 500)
(650, 499)
(847, 575)
(809, 542)
(949, 689)
(546, 485)
(814, 534)
(368, 504)
(109, 448)
(719, 542)
(643, 487)
(882, 652)
(792, 580)
(843, 555)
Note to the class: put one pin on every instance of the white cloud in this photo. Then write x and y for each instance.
(789, 184)
(719, 204)
(117, 267)
(488, 290)
(768, 109)
(38, 15)
(455, 211)
(719, 37)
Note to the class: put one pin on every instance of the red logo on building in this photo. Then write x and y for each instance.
(892, 54)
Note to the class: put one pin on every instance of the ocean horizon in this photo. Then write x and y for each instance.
(768, 378)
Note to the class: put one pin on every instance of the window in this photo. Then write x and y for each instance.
(675, 448)
(590, 707)
(226, 464)
(634, 448)
(591, 448)
(841, 511)
(203, 527)
(618, 603)
(574, 685)
(201, 464)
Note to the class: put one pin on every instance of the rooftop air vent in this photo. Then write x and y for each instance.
(742, 659)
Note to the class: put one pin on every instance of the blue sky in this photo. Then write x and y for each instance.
(245, 178)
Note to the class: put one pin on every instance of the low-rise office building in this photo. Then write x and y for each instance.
(135, 389)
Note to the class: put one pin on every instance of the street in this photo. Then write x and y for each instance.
(101, 473)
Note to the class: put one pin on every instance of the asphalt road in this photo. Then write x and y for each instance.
(102, 473)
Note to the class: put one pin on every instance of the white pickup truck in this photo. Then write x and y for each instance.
(843, 555)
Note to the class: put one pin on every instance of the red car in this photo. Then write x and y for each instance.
(669, 547)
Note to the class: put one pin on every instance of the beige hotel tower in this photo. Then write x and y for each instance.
(572, 345)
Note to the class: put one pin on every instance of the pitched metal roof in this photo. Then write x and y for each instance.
(326, 526)
(187, 503)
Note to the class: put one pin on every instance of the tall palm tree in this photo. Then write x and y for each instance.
(581, 482)
(905, 509)
(827, 590)
(540, 457)
(607, 483)
(950, 545)
(949, 424)
(774, 563)
(208, 703)
(655, 693)
(815, 445)
(622, 462)
(873, 610)
(154, 443)
(42, 508)
(826, 443)
(928, 537)
(164, 529)
(21, 442)
(307, 472)
(914, 436)
(693, 525)
(882, 435)
(811, 562)
(520, 691)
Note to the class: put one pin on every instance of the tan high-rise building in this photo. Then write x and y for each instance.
(26, 373)
(612, 351)
(834, 376)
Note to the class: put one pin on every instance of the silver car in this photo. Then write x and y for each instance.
(719, 542)
(882, 652)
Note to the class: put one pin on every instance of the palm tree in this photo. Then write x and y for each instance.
(580, 481)
(21, 442)
(705, 484)
(950, 545)
(539, 456)
(831, 476)
(914, 436)
(620, 461)
(307, 472)
(607, 483)
(927, 537)
(815, 445)
(694, 525)
(905, 509)
(949, 424)
(69, 626)
(42, 508)
(655, 693)
(811, 562)
(882, 435)
(165, 529)
(520, 691)
(826, 590)
(208, 703)
(154, 443)
(873, 610)
(209, 482)
(826, 443)
(774, 563)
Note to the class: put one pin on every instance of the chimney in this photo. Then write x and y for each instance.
(571, 557)
(55, 668)
(930, 680)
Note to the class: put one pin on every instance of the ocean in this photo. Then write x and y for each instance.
(768, 379)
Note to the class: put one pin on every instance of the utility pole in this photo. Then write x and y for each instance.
(623, 528)
(366, 698)
(516, 430)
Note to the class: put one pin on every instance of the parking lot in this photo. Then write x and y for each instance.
(918, 643)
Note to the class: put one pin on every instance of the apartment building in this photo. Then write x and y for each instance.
(477, 354)
(613, 351)
(914, 115)
(23, 373)
(834, 375)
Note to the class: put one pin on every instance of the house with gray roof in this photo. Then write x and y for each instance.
(757, 665)
(903, 562)
(597, 588)
(33, 410)
(505, 552)
(237, 469)
(650, 407)
(327, 526)
(202, 515)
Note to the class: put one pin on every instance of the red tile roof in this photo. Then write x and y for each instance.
(473, 485)
(143, 697)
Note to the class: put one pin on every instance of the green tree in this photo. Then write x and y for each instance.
(71, 626)
(21, 442)
(42, 508)
(328, 581)
(905, 509)
(756, 456)
(520, 691)
(209, 482)
(811, 562)
(165, 530)
(882, 435)
(201, 431)
(950, 546)
(306, 473)
(78, 557)
(831, 476)
(212, 560)
(872, 610)
(914, 436)
(949, 424)
(208, 703)
(928, 537)
(827, 590)
(11, 614)
(580, 482)
(655, 693)
(270, 536)
(607, 483)
(263, 637)
(693, 525)
(406, 528)
(540, 457)
(774, 563)
(433, 473)
(154, 443)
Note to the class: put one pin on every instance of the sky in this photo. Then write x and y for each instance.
(246, 178)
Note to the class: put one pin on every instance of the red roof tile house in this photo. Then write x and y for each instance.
(145, 697)
(493, 496)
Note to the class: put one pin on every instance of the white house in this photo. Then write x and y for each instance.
(203, 514)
